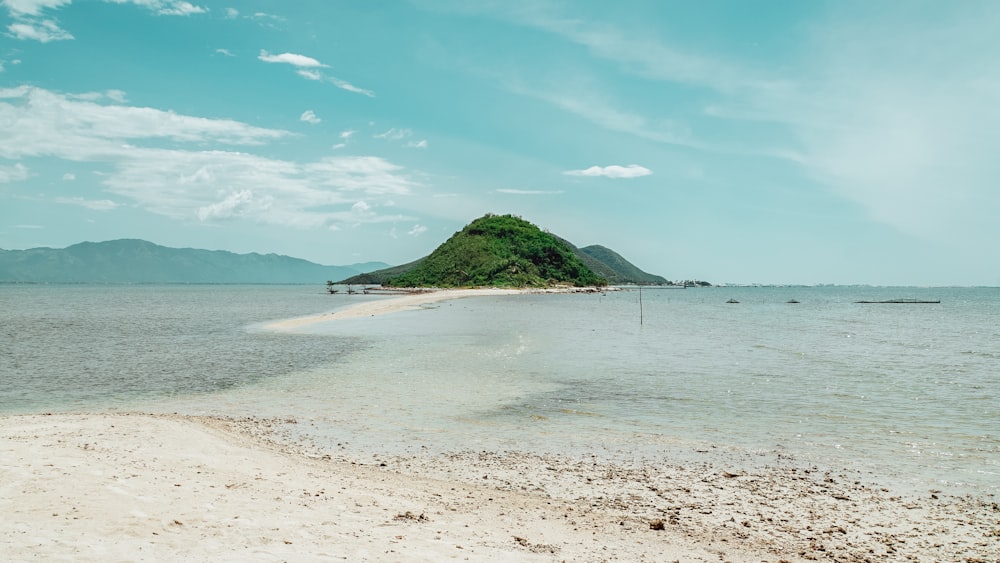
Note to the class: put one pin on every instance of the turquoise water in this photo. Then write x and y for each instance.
(901, 391)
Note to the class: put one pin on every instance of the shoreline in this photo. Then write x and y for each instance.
(125, 486)
(409, 302)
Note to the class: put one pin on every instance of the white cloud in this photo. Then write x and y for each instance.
(43, 31)
(176, 8)
(233, 204)
(421, 144)
(69, 177)
(95, 205)
(192, 181)
(232, 13)
(306, 68)
(22, 8)
(513, 191)
(13, 173)
(43, 122)
(346, 136)
(417, 230)
(309, 117)
(117, 96)
(394, 134)
(370, 174)
(300, 61)
(29, 21)
(166, 7)
(344, 85)
(225, 52)
(612, 171)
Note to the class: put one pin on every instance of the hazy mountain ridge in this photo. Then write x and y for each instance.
(140, 261)
(613, 266)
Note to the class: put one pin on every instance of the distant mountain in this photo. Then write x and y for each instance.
(139, 261)
(615, 269)
(508, 251)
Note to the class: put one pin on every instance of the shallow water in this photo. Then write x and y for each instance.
(906, 392)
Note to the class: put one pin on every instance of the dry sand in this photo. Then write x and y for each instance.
(116, 487)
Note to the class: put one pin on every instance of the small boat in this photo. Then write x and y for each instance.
(791, 301)
(732, 301)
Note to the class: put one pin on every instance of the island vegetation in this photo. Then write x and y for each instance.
(499, 251)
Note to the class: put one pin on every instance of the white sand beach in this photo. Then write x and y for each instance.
(406, 302)
(111, 487)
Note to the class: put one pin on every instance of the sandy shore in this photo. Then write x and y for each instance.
(404, 302)
(140, 487)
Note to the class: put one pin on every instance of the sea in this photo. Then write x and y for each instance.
(903, 393)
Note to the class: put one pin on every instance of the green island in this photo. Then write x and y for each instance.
(507, 251)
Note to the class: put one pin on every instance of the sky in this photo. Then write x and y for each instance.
(775, 142)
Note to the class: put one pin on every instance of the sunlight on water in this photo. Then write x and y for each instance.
(901, 390)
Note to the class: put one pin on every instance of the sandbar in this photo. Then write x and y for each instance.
(405, 302)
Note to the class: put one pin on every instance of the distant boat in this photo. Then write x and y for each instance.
(732, 301)
(904, 301)
(791, 301)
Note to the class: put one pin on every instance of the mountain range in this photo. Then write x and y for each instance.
(140, 261)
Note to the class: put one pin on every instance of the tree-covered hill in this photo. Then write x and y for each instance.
(501, 251)
(602, 261)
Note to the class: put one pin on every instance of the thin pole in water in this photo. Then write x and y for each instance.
(640, 305)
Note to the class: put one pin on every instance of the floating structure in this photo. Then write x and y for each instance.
(902, 301)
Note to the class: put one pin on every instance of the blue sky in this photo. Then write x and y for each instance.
(744, 142)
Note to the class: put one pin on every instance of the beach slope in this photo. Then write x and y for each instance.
(138, 487)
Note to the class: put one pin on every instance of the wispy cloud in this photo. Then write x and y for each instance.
(417, 230)
(345, 137)
(394, 134)
(225, 52)
(513, 191)
(13, 173)
(912, 145)
(92, 204)
(30, 21)
(196, 183)
(309, 117)
(612, 171)
(42, 31)
(294, 59)
(400, 134)
(345, 85)
(308, 68)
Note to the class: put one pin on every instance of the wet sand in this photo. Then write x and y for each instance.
(100, 487)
